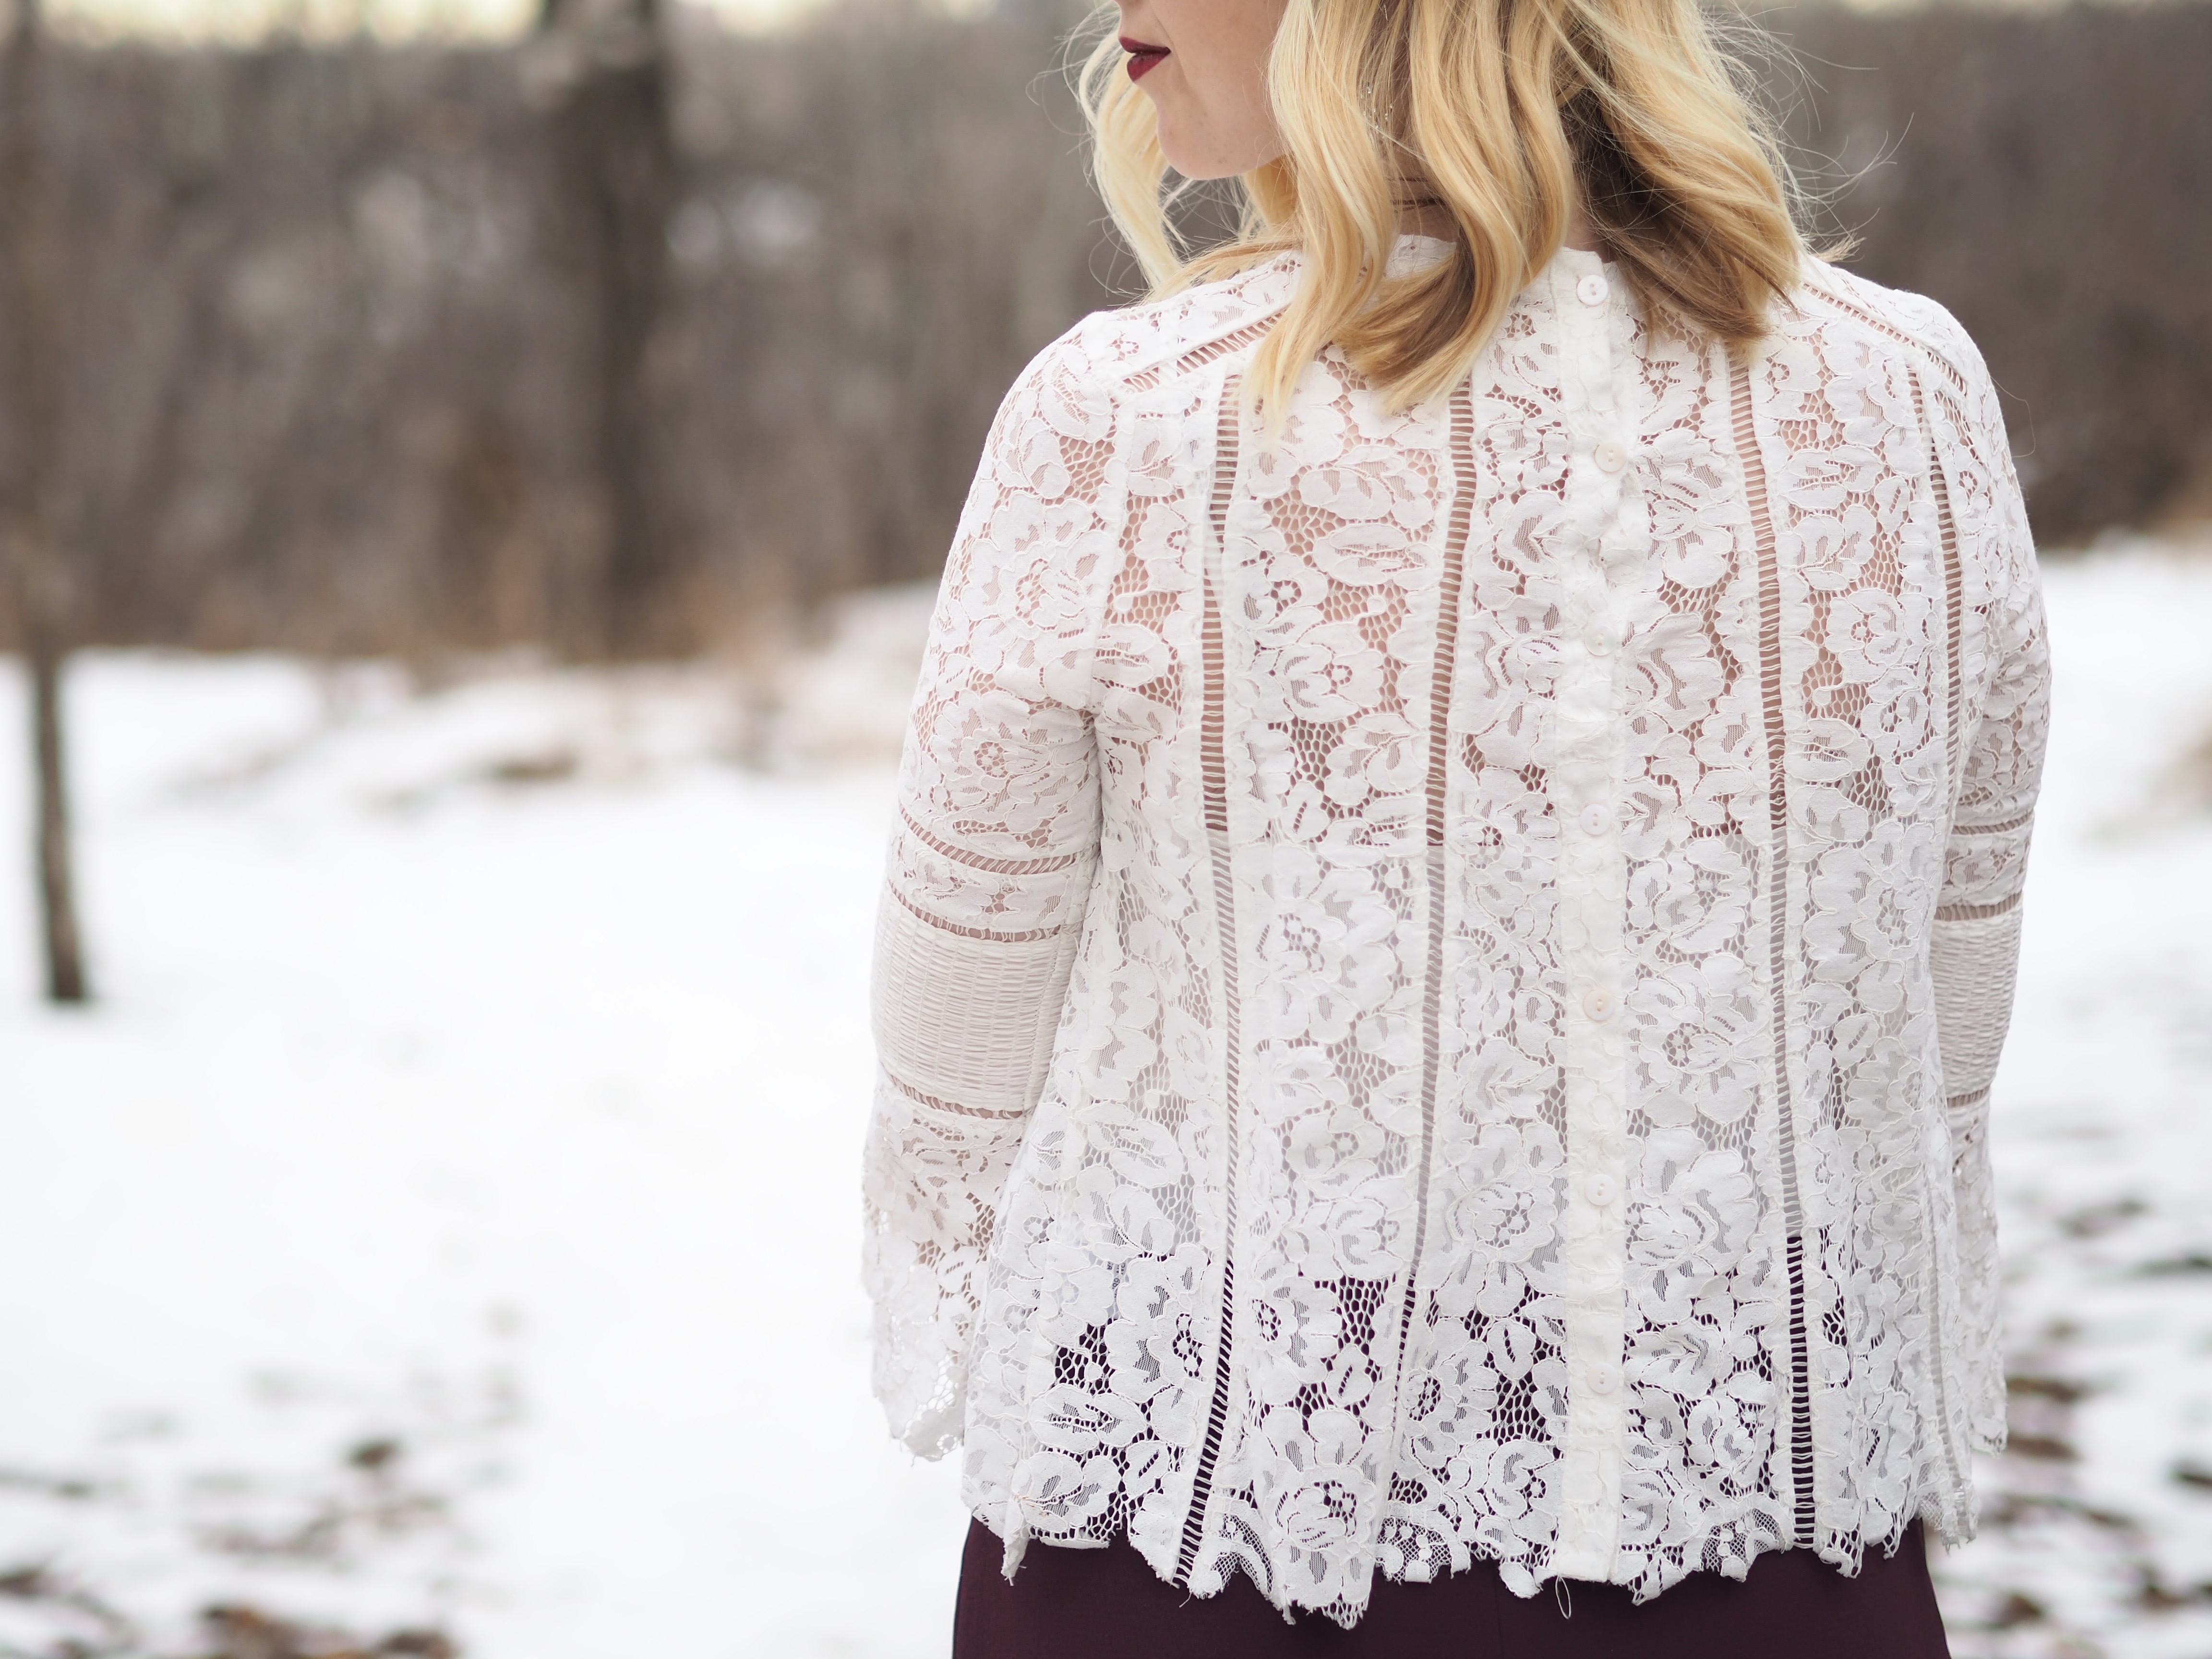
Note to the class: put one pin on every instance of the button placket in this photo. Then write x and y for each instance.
(1587, 786)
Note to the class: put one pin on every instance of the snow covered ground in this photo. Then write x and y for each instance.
(458, 1170)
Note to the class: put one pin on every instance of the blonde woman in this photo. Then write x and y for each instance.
(1457, 883)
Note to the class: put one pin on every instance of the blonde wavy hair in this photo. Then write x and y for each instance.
(1495, 114)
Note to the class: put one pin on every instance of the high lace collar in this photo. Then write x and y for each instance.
(1414, 252)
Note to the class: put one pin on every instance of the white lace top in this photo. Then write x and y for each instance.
(1440, 976)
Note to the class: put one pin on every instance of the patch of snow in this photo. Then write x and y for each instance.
(2097, 1530)
(509, 1115)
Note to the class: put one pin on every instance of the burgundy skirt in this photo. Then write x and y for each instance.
(1108, 1604)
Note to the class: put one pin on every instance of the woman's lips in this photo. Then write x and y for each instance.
(1143, 58)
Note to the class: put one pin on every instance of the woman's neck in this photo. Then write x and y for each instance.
(1578, 234)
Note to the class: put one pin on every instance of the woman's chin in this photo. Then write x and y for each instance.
(1200, 161)
(1196, 163)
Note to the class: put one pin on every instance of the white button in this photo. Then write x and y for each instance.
(1597, 820)
(1599, 1190)
(1600, 640)
(1604, 1377)
(1600, 1004)
(1590, 290)
(1610, 456)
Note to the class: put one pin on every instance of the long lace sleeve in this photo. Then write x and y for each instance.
(1975, 950)
(989, 867)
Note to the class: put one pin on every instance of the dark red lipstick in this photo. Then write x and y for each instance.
(1142, 58)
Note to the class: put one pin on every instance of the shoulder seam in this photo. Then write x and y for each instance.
(1852, 308)
(1206, 351)
(1171, 352)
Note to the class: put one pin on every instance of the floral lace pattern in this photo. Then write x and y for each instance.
(1440, 970)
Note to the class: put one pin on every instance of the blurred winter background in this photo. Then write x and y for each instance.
(473, 475)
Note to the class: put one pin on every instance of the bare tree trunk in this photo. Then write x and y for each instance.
(617, 160)
(32, 320)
